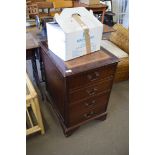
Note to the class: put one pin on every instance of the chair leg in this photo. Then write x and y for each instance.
(38, 115)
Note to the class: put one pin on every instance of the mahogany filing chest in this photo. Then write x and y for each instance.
(79, 88)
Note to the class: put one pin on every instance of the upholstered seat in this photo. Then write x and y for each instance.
(115, 50)
(118, 44)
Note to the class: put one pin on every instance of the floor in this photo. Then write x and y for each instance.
(109, 137)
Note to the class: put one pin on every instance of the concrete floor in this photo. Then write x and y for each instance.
(109, 137)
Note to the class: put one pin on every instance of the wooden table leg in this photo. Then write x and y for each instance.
(35, 71)
(34, 67)
(103, 16)
(41, 65)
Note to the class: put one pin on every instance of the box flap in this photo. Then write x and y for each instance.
(69, 25)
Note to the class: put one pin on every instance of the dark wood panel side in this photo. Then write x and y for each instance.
(54, 83)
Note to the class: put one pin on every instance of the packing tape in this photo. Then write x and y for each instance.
(86, 32)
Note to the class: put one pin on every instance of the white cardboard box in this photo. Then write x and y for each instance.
(66, 39)
(90, 2)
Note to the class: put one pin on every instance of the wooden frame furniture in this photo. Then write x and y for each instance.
(120, 38)
(59, 5)
(32, 53)
(44, 5)
(63, 4)
(33, 9)
(96, 8)
(34, 119)
(79, 88)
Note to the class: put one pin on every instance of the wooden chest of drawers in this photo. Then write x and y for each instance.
(79, 88)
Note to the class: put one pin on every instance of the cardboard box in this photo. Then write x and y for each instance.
(67, 39)
(90, 2)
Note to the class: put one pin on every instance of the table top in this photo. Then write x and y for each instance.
(31, 42)
(96, 6)
(82, 63)
(33, 38)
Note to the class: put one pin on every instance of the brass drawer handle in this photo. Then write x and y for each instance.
(90, 103)
(92, 92)
(88, 115)
(93, 77)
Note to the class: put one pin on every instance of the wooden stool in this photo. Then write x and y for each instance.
(33, 115)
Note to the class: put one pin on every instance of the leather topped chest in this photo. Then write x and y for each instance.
(80, 88)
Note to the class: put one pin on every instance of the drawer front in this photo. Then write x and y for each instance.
(88, 109)
(90, 77)
(87, 104)
(91, 91)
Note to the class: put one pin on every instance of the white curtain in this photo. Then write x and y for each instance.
(121, 8)
(126, 16)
